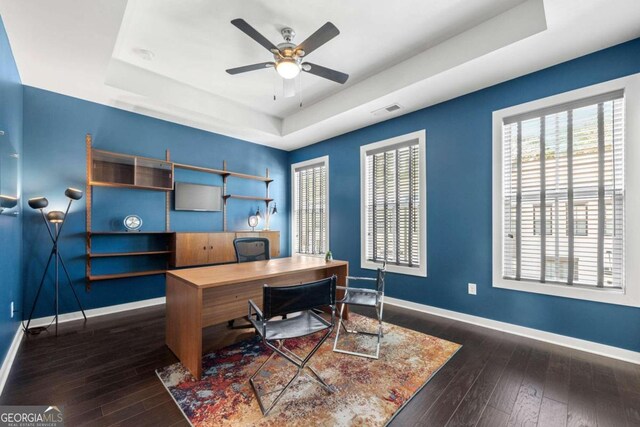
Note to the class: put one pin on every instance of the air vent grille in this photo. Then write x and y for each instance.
(387, 110)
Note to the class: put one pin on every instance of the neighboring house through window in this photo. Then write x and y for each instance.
(559, 194)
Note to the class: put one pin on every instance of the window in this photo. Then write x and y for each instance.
(561, 220)
(310, 195)
(537, 218)
(581, 219)
(393, 204)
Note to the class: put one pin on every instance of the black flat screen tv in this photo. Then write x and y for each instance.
(197, 197)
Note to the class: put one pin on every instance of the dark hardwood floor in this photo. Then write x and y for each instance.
(103, 374)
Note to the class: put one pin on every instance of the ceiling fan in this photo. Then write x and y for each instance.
(288, 58)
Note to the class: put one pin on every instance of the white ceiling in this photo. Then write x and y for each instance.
(419, 54)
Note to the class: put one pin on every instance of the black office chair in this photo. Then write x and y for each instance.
(250, 249)
(281, 300)
(365, 298)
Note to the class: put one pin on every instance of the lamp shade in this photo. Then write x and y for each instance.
(8, 202)
(73, 193)
(55, 217)
(38, 203)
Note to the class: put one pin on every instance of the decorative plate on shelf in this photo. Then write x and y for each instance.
(132, 222)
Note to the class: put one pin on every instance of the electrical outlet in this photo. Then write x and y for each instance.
(472, 289)
(12, 309)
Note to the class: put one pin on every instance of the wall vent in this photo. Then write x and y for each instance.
(387, 110)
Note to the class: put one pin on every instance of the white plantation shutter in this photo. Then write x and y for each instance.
(310, 204)
(393, 204)
(563, 193)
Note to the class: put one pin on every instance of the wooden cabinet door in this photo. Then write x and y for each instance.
(221, 248)
(191, 249)
(274, 242)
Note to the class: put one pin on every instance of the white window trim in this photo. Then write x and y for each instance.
(630, 295)
(364, 263)
(325, 160)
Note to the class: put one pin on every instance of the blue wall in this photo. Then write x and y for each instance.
(459, 165)
(10, 226)
(54, 159)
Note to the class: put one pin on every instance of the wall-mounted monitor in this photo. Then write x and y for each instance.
(197, 197)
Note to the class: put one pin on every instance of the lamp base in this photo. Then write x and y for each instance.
(36, 330)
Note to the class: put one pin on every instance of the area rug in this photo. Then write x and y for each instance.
(368, 392)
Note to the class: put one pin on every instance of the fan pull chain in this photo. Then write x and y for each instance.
(300, 88)
(275, 78)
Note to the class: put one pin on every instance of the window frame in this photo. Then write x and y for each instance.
(294, 166)
(420, 135)
(630, 294)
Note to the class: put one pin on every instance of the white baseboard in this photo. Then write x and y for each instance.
(9, 358)
(536, 334)
(67, 317)
(95, 312)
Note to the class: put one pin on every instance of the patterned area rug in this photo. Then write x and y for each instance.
(369, 392)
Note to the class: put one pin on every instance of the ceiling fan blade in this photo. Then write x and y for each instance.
(254, 34)
(326, 73)
(317, 39)
(251, 67)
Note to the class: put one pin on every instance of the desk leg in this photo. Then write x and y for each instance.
(184, 324)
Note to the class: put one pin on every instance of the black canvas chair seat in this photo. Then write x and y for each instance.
(302, 325)
(282, 300)
(362, 297)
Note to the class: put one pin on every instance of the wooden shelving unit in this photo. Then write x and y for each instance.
(117, 254)
(128, 233)
(109, 169)
(99, 277)
(226, 174)
(166, 253)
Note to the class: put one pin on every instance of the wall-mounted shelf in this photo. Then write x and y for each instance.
(117, 254)
(253, 177)
(99, 277)
(201, 169)
(236, 196)
(128, 233)
(156, 250)
(132, 186)
(223, 172)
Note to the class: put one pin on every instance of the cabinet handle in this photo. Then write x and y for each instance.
(210, 247)
(204, 248)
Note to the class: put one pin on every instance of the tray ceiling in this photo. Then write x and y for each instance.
(167, 59)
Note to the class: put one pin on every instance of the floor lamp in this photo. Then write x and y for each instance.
(57, 218)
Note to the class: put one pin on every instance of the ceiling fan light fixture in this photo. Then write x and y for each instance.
(288, 68)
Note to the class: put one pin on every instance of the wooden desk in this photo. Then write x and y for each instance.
(201, 297)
